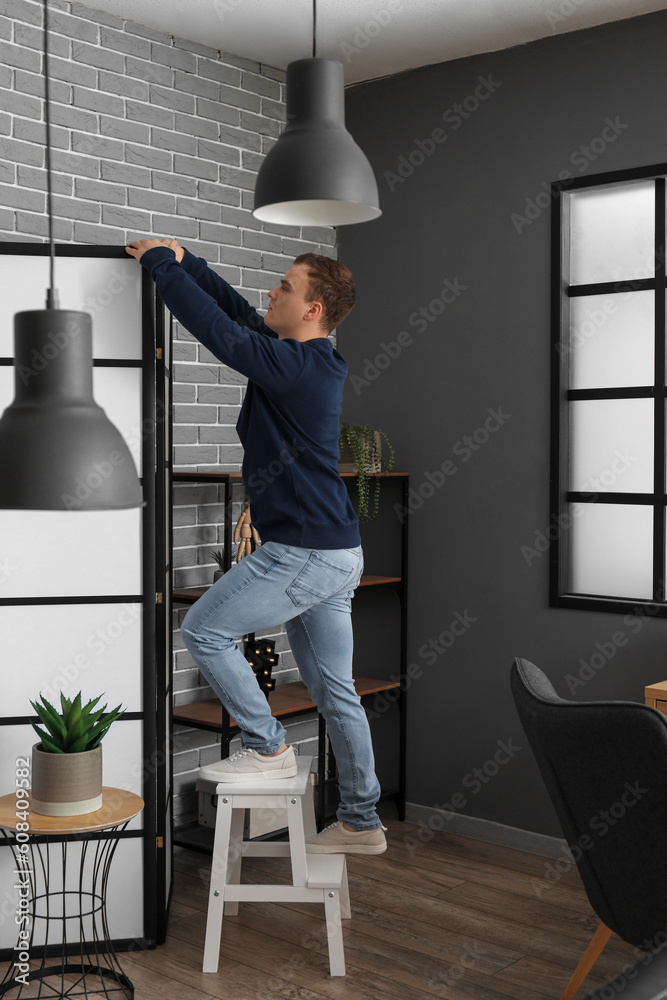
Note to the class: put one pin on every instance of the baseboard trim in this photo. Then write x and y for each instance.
(435, 820)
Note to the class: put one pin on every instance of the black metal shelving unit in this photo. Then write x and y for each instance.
(199, 714)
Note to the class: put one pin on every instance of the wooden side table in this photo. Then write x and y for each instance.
(655, 695)
(55, 910)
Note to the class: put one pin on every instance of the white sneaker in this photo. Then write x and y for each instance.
(249, 765)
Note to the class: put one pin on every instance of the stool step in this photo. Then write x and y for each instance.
(272, 786)
(325, 871)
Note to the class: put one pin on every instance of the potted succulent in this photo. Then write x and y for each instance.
(67, 763)
(361, 453)
(219, 558)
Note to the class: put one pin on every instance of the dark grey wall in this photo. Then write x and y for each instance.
(488, 350)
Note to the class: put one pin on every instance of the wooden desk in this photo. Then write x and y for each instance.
(655, 695)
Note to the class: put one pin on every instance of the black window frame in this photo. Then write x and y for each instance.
(561, 396)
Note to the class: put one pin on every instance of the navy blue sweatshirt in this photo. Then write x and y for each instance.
(289, 424)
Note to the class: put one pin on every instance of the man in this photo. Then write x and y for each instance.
(310, 561)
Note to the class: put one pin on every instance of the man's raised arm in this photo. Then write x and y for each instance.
(274, 364)
(234, 304)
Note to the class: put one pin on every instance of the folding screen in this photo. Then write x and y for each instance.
(83, 594)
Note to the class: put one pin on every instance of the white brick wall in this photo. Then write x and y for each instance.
(153, 135)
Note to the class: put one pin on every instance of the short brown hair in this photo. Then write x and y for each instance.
(332, 284)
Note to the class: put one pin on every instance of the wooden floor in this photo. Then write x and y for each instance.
(451, 917)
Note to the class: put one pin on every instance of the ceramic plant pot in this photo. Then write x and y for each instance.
(66, 784)
(347, 463)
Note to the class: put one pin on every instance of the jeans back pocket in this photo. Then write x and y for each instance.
(323, 576)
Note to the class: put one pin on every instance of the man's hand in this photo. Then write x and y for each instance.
(139, 247)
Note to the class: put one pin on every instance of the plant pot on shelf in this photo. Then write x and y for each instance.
(219, 559)
(347, 461)
(66, 784)
(360, 452)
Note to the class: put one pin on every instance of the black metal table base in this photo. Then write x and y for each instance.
(78, 988)
(98, 970)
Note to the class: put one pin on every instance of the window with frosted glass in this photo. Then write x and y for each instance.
(608, 455)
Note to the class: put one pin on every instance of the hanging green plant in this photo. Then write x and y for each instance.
(361, 452)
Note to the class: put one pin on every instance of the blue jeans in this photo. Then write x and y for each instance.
(310, 591)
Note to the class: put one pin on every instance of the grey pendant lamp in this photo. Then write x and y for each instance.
(315, 174)
(58, 449)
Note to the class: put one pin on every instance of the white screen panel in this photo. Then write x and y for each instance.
(45, 553)
(123, 761)
(108, 289)
(118, 392)
(6, 387)
(9, 898)
(612, 232)
(167, 847)
(92, 648)
(124, 892)
(124, 895)
(15, 742)
(611, 445)
(611, 550)
(611, 340)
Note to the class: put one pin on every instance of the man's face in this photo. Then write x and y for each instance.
(288, 302)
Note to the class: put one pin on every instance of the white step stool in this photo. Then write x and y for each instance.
(316, 878)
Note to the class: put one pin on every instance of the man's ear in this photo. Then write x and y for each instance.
(314, 312)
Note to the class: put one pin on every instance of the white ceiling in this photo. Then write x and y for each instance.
(372, 38)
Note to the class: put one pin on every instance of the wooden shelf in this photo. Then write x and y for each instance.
(195, 477)
(220, 477)
(188, 595)
(284, 700)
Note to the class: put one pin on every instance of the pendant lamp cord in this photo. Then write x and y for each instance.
(314, 27)
(52, 294)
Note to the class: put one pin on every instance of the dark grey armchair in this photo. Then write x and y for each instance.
(605, 767)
